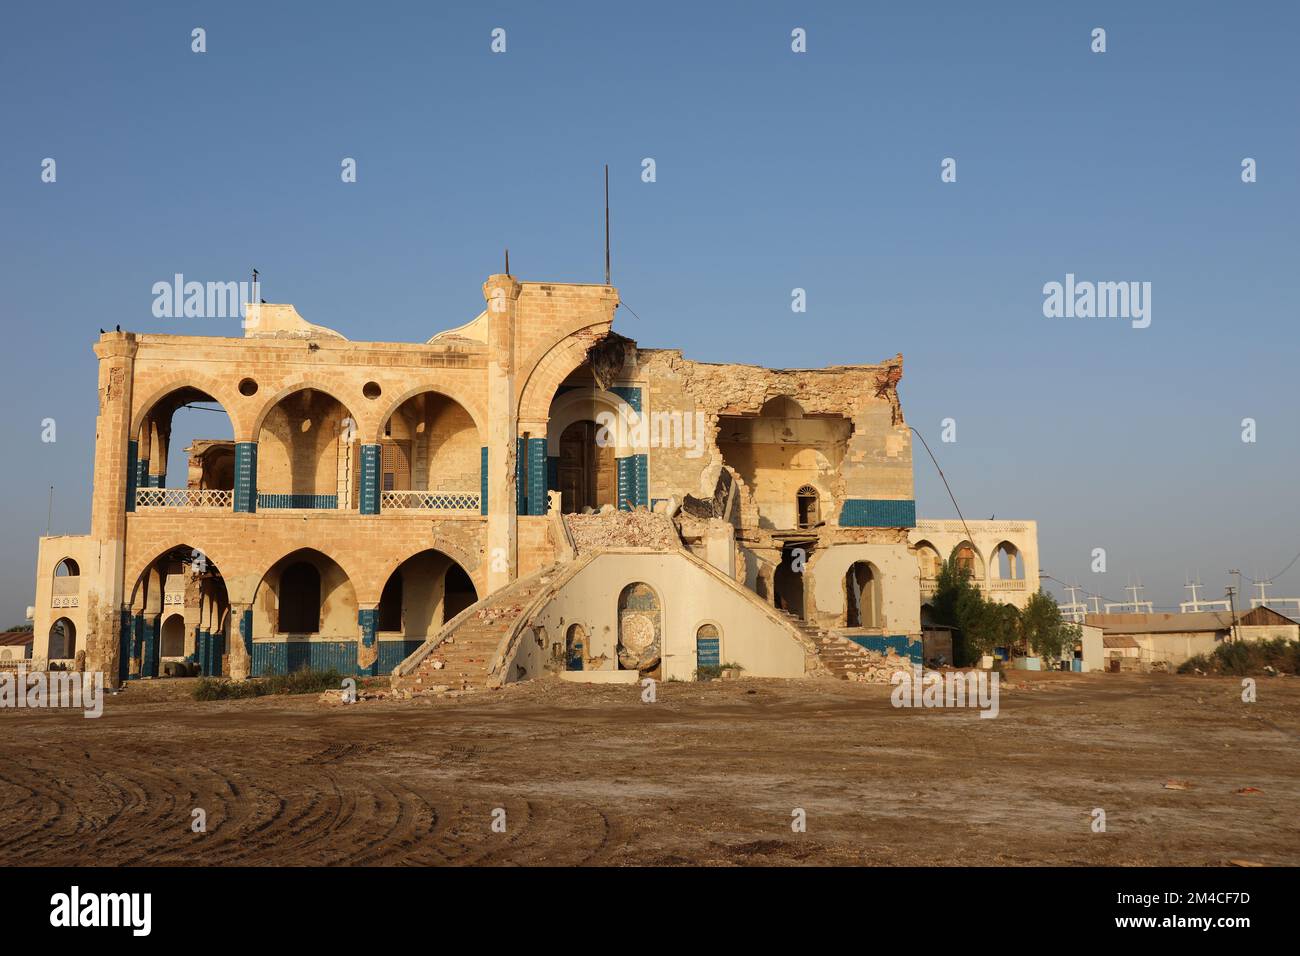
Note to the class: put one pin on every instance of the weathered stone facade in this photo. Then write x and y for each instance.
(372, 490)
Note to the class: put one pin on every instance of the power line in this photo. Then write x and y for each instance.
(945, 484)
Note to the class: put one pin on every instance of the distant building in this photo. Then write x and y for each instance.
(1162, 639)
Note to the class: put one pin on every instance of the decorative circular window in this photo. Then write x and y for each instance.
(247, 387)
(371, 390)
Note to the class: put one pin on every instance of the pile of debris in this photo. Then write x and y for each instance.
(875, 668)
(621, 529)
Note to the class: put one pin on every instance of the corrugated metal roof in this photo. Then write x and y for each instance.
(1117, 640)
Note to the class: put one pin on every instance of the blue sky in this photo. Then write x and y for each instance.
(775, 170)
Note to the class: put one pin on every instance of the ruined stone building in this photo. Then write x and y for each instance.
(530, 490)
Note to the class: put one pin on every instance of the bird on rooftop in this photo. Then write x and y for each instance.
(119, 328)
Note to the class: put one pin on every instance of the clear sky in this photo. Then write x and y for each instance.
(775, 170)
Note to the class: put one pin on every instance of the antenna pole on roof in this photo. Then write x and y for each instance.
(507, 260)
(607, 282)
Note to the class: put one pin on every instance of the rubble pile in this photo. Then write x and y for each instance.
(874, 668)
(621, 529)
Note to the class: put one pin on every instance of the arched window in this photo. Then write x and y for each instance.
(862, 595)
(708, 648)
(63, 640)
(575, 648)
(299, 599)
(390, 604)
(173, 637)
(67, 568)
(807, 506)
(640, 628)
(1008, 564)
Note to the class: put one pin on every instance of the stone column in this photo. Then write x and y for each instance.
(368, 641)
(502, 295)
(245, 476)
(241, 649)
(369, 497)
(113, 483)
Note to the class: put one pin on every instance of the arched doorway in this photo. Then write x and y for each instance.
(173, 637)
(862, 595)
(62, 640)
(587, 472)
(182, 577)
(423, 593)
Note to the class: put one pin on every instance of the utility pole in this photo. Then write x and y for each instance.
(1231, 592)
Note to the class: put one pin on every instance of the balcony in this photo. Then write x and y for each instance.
(444, 502)
(1006, 584)
(205, 498)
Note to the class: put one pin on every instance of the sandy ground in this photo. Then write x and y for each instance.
(709, 774)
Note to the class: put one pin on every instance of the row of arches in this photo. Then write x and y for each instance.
(180, 607)
(308, 447)
(1007, 562)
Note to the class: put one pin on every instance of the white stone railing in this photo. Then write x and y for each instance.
(1006, 584)
(464, 502)
(184, 498)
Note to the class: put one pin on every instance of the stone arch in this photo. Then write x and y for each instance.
(235, 405)
(1008, 554)
(862, 595)
(308, 450)
(67, 568)
(966, 555)
(463, 397)
(928, 560)
(554, 367)
(225, 565)
(576, 406)
(155, 422)
(300, 384)
(434, 588)
(335, 602)
(62, 639)
(171, 637)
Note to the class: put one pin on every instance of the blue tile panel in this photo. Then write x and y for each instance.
(368, 621)
(369, 500)
(284, 657)
(392, 653)
(149, 647)
(124, 646)
(312, 502)
(246, 630)
(537, 476)
(707, 652)
(521, 465)
(245, 476)
(900, 644)
(483, 481)
(878, 513)
(633, 481)
(630, 394)
(132, 474)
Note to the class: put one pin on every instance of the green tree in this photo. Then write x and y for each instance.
(1045, 631)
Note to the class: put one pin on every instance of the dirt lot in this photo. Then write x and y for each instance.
(709, 774)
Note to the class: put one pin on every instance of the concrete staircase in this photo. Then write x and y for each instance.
(838, 654)
(467, 644)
